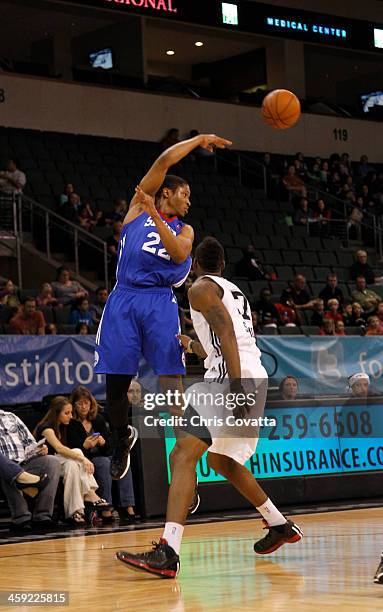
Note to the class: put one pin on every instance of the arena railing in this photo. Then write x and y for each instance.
(52, 233)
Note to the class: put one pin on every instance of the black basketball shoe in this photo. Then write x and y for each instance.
(277, 536)
(162, 560)
(123, 444)
(378, 578)
(196, 499)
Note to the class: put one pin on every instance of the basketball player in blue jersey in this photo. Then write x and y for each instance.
(141, 314)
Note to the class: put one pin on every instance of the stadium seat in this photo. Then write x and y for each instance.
(286, 330)
(310, 330)
(62, 314)
(353, 331)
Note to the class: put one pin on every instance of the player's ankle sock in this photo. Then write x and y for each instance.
(271, 514)
(173, 535)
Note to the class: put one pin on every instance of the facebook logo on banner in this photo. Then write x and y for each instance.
(301, 26)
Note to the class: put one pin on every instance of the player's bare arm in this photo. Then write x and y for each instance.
(192, 346)
(178, 247)
(153, 180)
(205, 297)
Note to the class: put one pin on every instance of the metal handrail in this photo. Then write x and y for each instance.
(78, 232)
(238, 164)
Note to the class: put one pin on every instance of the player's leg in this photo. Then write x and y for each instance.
(163, 559)
(378, 577)
(281, 530)
(124, 435)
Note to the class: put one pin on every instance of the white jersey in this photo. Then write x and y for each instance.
(239, 310)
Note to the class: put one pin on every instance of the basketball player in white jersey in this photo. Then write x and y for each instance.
(222, 319)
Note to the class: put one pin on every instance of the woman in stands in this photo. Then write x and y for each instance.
(66, 290)
(89, 432)
(76, 469)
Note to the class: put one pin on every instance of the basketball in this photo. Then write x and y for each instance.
(281, 109)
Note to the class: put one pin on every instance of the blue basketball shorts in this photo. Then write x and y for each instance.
(139, 322)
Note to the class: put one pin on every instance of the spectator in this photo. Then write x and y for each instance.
(364, 167)
(367, 298)
(8, 295)
(324, 173)
(332, 312)
(119, 211)
(361, 268)
(339, 328)
(373, 326)
(28, 483)
(332, 291)
(287, 313)
(135, 394)
(68, 190)
(321, 213)
(28, 321)
(347, 315)
(15, 438)
(112, 244)
(65, 289)
(12, 180)
(288, 388)
(302, 214)
(345, 161)
(298, 294)
(328, 328)
(359, 384)
(318, 314)
(249, 266)
(82, 329)
(171, 138)
(268, 315)
(79, 484)
(81, 313)
(314, 175)
(97, 307)
(254, 320)
(51, 329)
(293, 183)
(45, 297)
(335, 184)
(379, 313)
(88, 421)
(70, 210)
(355, 219)
(358, 316)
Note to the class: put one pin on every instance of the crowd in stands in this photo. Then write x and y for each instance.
(75, 449)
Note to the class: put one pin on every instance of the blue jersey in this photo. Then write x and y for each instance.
(142, 258)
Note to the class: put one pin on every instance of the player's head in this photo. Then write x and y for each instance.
(209, 257)
(173, 197)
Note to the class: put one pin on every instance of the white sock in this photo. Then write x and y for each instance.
(271, 514)
(173, 533)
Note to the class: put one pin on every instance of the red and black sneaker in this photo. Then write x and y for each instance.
(162, 560)
(288, 533)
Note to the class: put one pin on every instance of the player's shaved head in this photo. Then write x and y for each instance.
(210, 255)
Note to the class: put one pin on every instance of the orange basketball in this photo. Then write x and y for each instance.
(281, 109)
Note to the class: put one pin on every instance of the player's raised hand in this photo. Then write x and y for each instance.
(146, 202)
(211, 142)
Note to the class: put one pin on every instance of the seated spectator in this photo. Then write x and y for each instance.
(374, 327)
(332, 291)
(345, 161)
(288, 388)
(82, 329)
(112, 244)
(347, 315)
(249, 266)
(318, 314)
(28, 321)
(135, 394)
(26, 482)
(314, 175)
(300, 169)
(64, 197)
(171, 138)
(367, 298)
(324, 173)
(321, 212)
(51, 329)
(339, 328)
(46, 297)
(119, 211)
(302, 214)
(76, 469)
(268, 315)
(358, 316)
(81, 313)
(15, 438)
(12, 180)
(364, 167)
(97, 307)
(254, 320)
(293, 183)
(328, 328)
(333, 311)
(335, 184)
(66, 290)
(287, 313)
(361, 268)
(355, 218)
(8, 295)
(89, 432)
(359, 384)
(70, 210)
(298, 294)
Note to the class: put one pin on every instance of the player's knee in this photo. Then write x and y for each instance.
(185, 454)
(220, 463)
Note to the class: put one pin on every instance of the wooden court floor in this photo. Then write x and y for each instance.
(331, 569)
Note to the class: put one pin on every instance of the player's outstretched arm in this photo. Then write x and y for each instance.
(153, 180)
